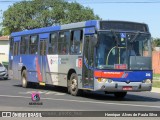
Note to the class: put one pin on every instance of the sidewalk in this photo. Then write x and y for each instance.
(156, 90)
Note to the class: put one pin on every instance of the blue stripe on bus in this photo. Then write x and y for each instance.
(17, 39)
(44, 36)
(36, 31)
(91, 23)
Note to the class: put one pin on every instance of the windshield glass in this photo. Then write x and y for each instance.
(116, 50)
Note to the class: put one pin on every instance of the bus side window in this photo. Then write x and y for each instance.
(33, 45)
(16, 48)
(53, 44)
(24, 45)
(11, 45)
(76, 42)
(63, 43)
(67, 40)
(60, 42)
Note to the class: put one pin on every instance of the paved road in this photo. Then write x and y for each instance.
(14, 97)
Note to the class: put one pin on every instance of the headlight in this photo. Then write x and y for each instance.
(104, 80)
(147, 81)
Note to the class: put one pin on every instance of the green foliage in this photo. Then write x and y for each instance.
(42, 13)
(156, 75)
(156, 42)
(4, 31)
(156, 84)
(0, 32)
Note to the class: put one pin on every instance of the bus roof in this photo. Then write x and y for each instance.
(89, 23)
(56, 28)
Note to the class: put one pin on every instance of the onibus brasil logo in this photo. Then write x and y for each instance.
(35, 97)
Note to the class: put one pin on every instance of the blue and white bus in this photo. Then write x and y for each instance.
(95, 55)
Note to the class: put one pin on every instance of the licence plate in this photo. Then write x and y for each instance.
(127, 88)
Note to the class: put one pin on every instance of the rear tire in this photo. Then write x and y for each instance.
(120, 95)
(24, 81)
(73, 85)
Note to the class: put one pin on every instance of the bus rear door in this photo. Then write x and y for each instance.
(42, 58)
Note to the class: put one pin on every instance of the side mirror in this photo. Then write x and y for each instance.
(94, 39)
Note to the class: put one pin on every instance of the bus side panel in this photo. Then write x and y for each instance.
(48, 76)
(15, 67)
(48, 70)
(66, 63)
(44, 71)
(59, 66)
(52, 73)
(29, 61)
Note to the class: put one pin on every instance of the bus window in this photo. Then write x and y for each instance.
(76, 42)
(33, 45)
(63, 43)
(16, 48)
(53, 45)
(24, 45)
(11, 45)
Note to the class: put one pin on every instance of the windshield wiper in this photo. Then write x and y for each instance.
(134, 37)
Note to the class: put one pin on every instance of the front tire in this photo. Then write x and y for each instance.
(24, 79)
(6, 78)
(120, 95)
(73, 85)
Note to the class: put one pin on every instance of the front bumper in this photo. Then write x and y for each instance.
(118, 86)
(3, 74)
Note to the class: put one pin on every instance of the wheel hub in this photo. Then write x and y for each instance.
(73, 84)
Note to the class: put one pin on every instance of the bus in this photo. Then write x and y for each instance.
(95, 55)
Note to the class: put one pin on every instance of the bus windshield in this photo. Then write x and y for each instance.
(116, 50)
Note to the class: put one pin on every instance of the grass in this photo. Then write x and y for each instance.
(156, 75)
(156, 84)
(156, 80)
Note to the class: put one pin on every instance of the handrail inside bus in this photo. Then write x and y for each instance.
(110, 52)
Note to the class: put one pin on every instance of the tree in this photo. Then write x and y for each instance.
(155, 42)
(42, 13)
(0, 32)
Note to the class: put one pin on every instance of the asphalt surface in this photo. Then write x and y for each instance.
(15, 98)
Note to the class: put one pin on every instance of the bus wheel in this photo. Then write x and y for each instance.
(68, 86)
(24, 79)
(73, 85)
(120, 95)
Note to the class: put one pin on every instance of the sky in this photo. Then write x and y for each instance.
(144, 11)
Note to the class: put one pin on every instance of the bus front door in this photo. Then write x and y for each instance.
(43, 61)
(88, 63)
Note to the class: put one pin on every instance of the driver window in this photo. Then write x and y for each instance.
(104, 50)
